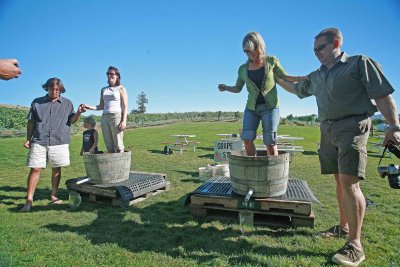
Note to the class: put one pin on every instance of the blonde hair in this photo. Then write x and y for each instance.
(91, 120)
(252, 41)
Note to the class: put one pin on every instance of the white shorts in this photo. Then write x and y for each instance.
(58, 156)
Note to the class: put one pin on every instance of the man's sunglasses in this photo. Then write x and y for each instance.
(320, 47)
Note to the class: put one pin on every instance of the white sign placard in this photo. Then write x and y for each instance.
(223, 148)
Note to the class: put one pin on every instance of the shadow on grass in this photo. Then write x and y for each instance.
(207, 156)
(205, 148)
(193, 174)
(193, 180)
(168, 228)
(310, 153)
(41, 208)
(156, 151)
(13, 188)
(40, 195)
(8, 200)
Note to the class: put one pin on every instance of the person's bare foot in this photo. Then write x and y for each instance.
(27, 207)
(55, 200)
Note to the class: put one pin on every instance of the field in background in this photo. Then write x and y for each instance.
(161, 230)
(13, 119)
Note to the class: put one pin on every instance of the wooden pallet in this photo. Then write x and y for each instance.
(261, 204)
(107, 195)
(267, 211)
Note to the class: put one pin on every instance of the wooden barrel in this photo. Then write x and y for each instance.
(108, 168)
(266, 175)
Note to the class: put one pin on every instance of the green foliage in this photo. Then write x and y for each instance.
(13, 121)
(13, 118)
(141, 102)
(160, 231)
(137, 119)
(308, 118)
(378, 121)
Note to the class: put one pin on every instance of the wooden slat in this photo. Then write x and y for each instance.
(296, 207)
(108, 195)
(175, 144)
(91, 188)
(118, 201)
(262, 204)
(260, 217)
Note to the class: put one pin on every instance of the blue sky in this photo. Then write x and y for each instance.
(177, 52)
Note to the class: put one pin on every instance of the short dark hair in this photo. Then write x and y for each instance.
(118, 83)
(331, 34)
(91, 120)
(53, 81)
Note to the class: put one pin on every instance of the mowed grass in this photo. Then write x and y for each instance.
(160, 231)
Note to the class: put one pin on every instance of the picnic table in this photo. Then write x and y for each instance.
(229, 136)
(288, 139)
(287, 143)
(181, 141)
(182, 138)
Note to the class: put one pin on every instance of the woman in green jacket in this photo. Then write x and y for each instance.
(259, 73)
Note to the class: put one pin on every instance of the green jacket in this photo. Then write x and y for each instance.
(269, 91)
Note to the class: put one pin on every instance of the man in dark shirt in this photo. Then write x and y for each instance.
(344, 87)
(48, 137)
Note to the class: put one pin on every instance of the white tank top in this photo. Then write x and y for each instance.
(112, 99)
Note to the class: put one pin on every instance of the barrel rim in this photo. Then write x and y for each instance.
(106, 155)
(240, 154)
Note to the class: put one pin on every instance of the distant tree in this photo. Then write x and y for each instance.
(378, 121)
(142, 101)
(135, 111)
(219, 115)
(314, 118)
(237, 115)
(289, 117)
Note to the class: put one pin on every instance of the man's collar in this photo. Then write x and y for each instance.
(49, 99)
(344, 58)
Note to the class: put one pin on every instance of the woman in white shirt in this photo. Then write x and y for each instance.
(113, 102)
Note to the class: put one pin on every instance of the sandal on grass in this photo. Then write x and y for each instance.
(334, 232)
(56, 201)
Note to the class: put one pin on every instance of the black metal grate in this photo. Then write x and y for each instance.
(299, 190)
(217, 186)
(139, 184)
(221, 186)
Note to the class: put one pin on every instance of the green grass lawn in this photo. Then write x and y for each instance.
(160, 231)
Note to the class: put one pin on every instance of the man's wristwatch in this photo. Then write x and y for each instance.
(394, 128)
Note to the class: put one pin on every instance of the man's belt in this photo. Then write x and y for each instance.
(345, 117)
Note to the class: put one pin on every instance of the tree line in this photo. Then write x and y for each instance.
(12, 117)
(16, 118)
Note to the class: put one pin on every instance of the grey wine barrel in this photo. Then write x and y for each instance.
(266, 175)
(108, 168)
